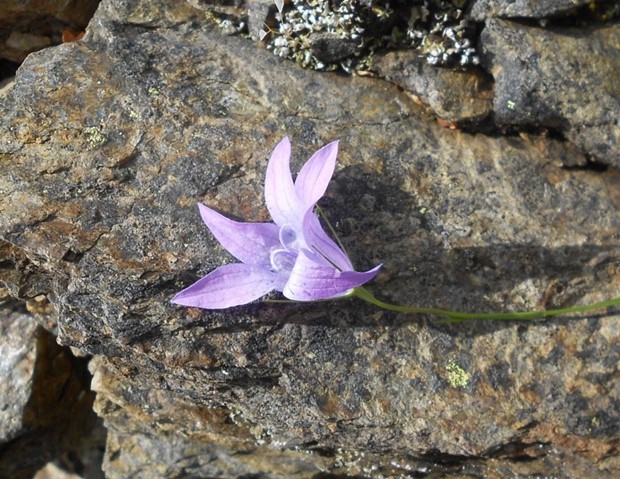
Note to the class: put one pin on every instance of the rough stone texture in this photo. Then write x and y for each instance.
(565, 79)
(459, 96)
(45, 405)
(98, 187)
(17, 356)
(160, 436)
(482, 9)
(329, 48)
(193, 438)
(26, 27)
(260, 17)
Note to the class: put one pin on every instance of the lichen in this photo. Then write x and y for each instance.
(439, 29)
(595, 422)
(456, 375)
(94, 137)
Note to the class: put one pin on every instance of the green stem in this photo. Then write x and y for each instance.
(456, 316)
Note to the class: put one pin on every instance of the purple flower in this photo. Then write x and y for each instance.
(292, 255)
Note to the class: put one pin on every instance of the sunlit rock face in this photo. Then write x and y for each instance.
(108, 143)
(562, 79)
(535, 9)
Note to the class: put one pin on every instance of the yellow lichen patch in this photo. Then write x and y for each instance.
(94, 137)
(456, 375)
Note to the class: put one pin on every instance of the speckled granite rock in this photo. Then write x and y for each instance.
(26, 27)
(98, 188)
(482, 9)
(565, 79)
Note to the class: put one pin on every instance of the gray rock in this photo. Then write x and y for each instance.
(260, 17)
(118, 136)
(563, 79)
(17, 356)
(458, 96)
(483, 9)
(329, 48)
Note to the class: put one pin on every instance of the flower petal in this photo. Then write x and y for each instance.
(281, 197)
(229, 285)
(311, 281)
(250, 243)
(317, 241)
(314, 176)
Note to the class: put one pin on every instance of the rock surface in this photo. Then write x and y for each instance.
(17, 353)
(98, 192)
(45, 402)
(563, 79)
(483, 9)
(464, 97)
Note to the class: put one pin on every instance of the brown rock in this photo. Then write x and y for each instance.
(453, 95)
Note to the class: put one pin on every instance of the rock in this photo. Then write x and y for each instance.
(482, 9)
(565, 79)
(453, 95)
(27, 42)
(45, 403)
(202, 442)
(260, 17)
(26, 27)
(119, 135)
(17, 357)
(329, 48)
(208, 442)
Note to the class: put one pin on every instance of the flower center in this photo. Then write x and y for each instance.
(289, 239)
(282, 260)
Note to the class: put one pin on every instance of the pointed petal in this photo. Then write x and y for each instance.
(283, 203)
(311, 281)
(314, 176)
(248, 242)
(318, 242)
(229, 285)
